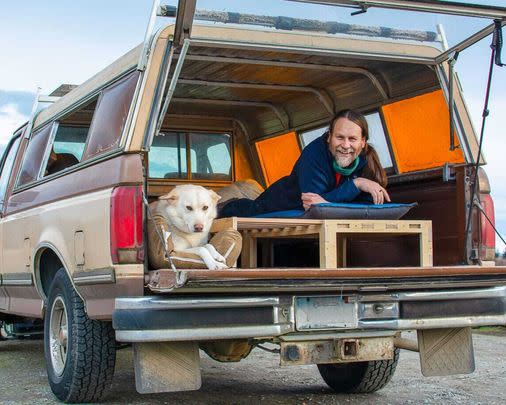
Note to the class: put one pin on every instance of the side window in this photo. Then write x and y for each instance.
(7, 168)
(69, 139)
(378, 139)
(208, 155)
(111, 115)
(307, 137)
(34, 155)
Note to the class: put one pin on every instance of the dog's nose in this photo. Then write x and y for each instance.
(198, 227)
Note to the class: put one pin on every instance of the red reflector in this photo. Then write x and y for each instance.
(126, 225)
(487, 231)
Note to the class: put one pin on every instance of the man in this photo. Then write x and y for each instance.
(337, 167)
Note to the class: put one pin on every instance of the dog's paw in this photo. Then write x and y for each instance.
(214, 253)
(219, 258)
(217, 266)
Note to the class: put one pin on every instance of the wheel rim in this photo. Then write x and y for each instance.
(58, 335)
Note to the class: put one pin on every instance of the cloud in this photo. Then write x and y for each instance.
(15, 108)
(22, 99)
(10, 119)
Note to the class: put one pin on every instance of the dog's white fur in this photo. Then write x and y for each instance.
(190, 211)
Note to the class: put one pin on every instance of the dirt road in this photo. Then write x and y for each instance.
(258, 380)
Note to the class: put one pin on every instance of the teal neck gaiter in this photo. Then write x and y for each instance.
(345, 171)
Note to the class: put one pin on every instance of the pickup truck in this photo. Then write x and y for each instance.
(218, 104)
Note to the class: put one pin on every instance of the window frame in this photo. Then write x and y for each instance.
(29, 137)
(393, 170)
(17, 136)
(187, 142)
(47, 152)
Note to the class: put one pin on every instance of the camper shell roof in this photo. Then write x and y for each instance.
(371, 62)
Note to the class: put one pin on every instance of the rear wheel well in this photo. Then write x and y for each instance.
(49, 264)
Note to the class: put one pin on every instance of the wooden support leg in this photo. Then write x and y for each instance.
(426, 247)
(341, 250)
(249, 251)
(328, 248)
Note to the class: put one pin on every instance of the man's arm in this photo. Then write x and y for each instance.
(346, 192)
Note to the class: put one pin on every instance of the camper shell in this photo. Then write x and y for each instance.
(217, 104)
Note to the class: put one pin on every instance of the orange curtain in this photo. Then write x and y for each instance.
(419, 130)
(277, 156)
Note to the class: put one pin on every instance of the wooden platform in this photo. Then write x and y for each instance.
(331, 233)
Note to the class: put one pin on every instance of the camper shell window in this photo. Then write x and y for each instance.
(110, 117)
(69, 139)
(8, 163)
(34, 155)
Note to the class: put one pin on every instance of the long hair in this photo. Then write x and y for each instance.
(373, 170)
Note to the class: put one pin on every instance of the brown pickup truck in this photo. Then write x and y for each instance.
(218, 104)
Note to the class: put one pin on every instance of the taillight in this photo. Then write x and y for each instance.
(487, 245)
(126, 225)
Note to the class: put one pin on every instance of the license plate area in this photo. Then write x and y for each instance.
(321, 313)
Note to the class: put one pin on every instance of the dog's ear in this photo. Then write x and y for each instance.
(214, 196)
(171, 197)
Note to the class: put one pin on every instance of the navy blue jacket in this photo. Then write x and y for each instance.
(313, 172)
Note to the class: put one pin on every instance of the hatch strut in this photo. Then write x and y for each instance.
(451, 64)
(495, 59)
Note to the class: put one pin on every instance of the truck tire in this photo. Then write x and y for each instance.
(361, 377)
(80, 353)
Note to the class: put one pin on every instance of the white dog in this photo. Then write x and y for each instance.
(190, 211)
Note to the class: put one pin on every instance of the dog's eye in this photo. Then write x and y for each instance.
(204, 208)
(189, 208)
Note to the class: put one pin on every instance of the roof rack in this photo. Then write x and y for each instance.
(46, 99)
(63, 89)
(430, 6)
(302, 24)
(185, 14)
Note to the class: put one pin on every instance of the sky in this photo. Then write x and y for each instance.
(45, 44)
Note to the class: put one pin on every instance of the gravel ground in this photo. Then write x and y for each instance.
(259, 380)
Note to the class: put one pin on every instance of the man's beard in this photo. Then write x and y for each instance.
(345, 161)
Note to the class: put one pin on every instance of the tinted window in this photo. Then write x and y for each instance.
(209, 156)
(7, 167)
(110, 117)
(34, 155)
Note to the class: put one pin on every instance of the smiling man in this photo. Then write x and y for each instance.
(339, 166)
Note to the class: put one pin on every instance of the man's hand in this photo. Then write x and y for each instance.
(309, 199)
(379, 194)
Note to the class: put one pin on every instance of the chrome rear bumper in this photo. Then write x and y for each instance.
(156, 318)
